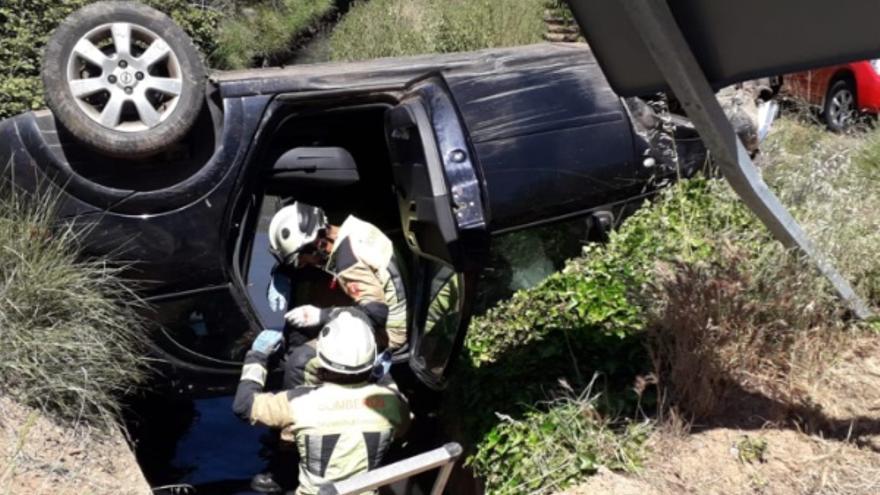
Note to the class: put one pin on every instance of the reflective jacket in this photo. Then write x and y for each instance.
(362, 261)
(340, 430)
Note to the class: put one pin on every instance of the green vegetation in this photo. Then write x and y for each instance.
(25, 26)
(72, 341)
(548, 450)
(387, 28)
(236, 34)
(751, 450)
(691, 298)
(257, 32)
(691, 293)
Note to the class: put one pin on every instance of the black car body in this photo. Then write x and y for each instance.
(446, 151)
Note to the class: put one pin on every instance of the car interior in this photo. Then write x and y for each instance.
(338, 157)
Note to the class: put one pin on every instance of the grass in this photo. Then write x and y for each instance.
(72, 341)
(756, 317)
(832, 185)
(691, 294)
(261, 33)
(769, 332)
(388, 28)
(563, 441)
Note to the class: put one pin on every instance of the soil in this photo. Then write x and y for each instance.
(829, 443)
(39, 457)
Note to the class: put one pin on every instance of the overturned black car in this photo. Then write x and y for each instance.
(178, 175)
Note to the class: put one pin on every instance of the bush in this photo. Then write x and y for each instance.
(693, 290)
(72, 341)
(25, 26)
(387, 28)
(590, 317)
(556, 445)
(263, 31)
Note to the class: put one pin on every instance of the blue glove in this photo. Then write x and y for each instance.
(267, 342)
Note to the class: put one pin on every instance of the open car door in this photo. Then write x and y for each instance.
(443, 220)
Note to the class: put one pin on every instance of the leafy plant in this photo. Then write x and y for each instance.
(551, 447)
(589, 318)
(691, 280)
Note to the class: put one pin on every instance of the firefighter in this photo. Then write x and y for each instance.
(361, 260)
(341, 427)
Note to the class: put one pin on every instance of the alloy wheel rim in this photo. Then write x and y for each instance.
(124, 77)
(842, 108)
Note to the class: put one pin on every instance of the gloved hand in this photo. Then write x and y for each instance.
(304, 316)
(267, 341)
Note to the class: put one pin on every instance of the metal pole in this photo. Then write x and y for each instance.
(671, 52)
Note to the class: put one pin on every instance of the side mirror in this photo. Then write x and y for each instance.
(313, 166)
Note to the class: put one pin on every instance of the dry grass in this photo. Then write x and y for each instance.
(72, 342)
(832, 185)
(755, 319)
(389, 28)
(719, 329)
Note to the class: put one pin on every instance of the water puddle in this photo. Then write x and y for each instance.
(196, 446)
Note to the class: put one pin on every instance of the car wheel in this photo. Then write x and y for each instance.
(123, 78)
(840, 110)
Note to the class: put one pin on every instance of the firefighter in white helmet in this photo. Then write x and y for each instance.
(342, 427)
(361, 260)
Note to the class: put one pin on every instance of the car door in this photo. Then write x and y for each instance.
(443, 221)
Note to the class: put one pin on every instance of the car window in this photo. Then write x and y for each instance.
(523, 259)
(436, 344)
(260, 266)
(207, 327)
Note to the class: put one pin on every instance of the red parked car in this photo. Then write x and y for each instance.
(841, 91)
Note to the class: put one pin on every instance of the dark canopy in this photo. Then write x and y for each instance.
(734, 40)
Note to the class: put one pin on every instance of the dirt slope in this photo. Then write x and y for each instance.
(827, 444)
(39, 457)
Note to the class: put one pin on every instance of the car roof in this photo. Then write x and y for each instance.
(733, 40)
(395, 73)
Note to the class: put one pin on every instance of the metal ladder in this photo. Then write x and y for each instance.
(443, 458)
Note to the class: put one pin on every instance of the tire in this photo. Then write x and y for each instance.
(840, 111)
(124, 102)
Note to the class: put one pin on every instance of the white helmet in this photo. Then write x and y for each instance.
(347, 345)
(294, 227)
